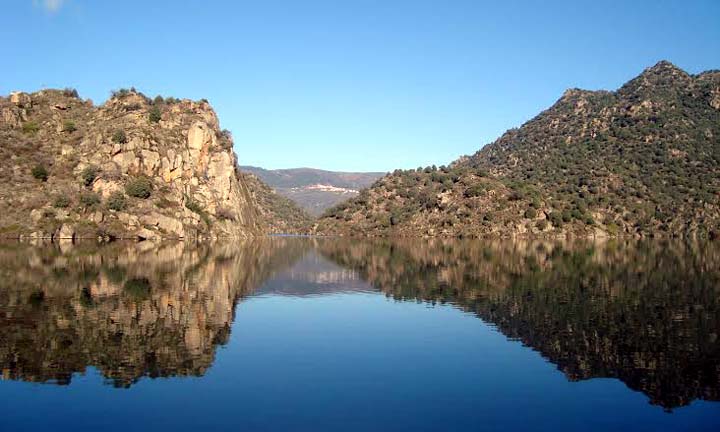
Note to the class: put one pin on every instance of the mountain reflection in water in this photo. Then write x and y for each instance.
(129, 309)
(645, 313)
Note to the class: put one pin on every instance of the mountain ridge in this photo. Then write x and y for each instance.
(641, 160)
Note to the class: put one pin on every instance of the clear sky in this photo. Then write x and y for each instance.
(353, 85)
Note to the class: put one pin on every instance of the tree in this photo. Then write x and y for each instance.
(155, 114)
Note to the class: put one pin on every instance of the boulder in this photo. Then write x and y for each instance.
(65, 232)
(165, 223)
(20, 99)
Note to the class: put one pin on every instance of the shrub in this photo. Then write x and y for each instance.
(40, 173)
(556, 219)
(119, 136)
(89, 199)
(70, 92)
(566, 216)
(89, 174)
(155, 114)
(69, 126)
(116, 201)
(30, 127)
(515, 196)
(61, 201)
(530, 213)
(158, 100)
(120, 92)
(195, 207)
(139, 187)
(474, 191)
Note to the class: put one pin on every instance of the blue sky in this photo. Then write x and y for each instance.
(353, 85)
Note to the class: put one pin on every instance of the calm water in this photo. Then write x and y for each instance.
(310, 334)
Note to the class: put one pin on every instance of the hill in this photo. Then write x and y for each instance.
(132, 167)
(313, 189)
(642, 160)
(280, 214)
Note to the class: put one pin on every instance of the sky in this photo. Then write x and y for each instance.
(353, 85)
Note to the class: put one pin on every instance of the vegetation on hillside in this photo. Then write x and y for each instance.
(643, 160)
(279, 214)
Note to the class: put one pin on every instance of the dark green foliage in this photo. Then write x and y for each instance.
(475, 190)
(61, 201)
(40, 172)
(119, 137)
(139, 187)
(556, 219)
(155, 114)
(69, 126)
(530, 213)
(116, 201)
(89, 174)
(70, 92)
(122, 92)
(89, 199)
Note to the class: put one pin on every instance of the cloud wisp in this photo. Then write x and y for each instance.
(49, 6)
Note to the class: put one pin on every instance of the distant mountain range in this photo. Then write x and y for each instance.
(314, 190)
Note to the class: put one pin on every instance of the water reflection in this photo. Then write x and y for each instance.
(131, 310)
(644, 313)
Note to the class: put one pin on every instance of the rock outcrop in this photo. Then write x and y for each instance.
(132, 167)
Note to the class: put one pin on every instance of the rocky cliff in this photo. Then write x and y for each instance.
(130, 168)
(643, 160)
